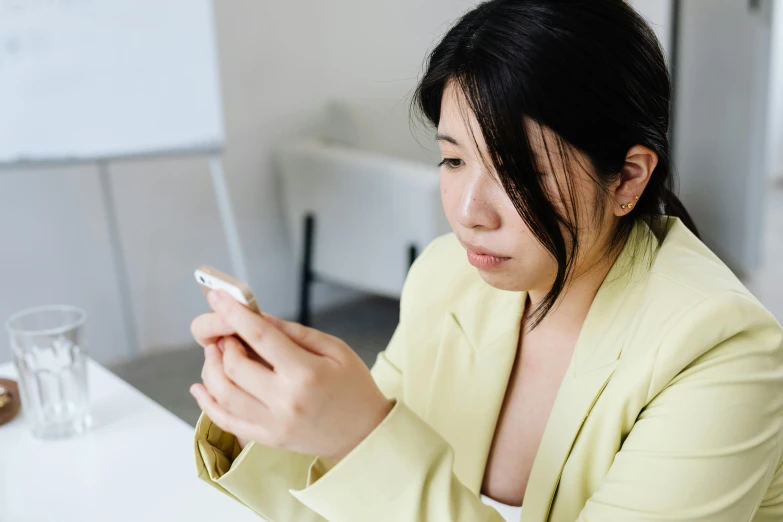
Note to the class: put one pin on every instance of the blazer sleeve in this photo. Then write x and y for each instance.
(402, 471)
(262, 477)
(706, 446)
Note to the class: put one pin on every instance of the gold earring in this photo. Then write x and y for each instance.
(629, 205)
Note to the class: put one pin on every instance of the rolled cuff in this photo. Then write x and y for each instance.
(382, 478)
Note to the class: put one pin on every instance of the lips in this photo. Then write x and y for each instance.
(470, 247)
(484, 259)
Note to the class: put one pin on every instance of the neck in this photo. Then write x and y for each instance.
(569, 312)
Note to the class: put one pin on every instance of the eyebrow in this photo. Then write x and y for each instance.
(446, 137)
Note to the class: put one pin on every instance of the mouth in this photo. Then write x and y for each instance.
(484, 259)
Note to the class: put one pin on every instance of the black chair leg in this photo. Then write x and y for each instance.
(307, 276)
(412, 255)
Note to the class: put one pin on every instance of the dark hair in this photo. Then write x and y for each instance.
(593, 72)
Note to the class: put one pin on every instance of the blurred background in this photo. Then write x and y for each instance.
(271, 140)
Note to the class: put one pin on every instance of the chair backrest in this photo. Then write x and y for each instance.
(381, 126)
(369, 209)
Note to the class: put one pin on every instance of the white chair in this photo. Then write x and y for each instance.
(361, 201)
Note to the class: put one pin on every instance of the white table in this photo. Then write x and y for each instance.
(134, 464)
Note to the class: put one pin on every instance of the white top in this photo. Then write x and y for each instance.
(134, 463)
(509, 513)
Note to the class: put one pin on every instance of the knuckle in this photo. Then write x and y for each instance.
(298, 331)
(296, 406)
(307, 336)
(226, 402)
(258, 335)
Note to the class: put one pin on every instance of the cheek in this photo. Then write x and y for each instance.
(450, 196)
(531, 266)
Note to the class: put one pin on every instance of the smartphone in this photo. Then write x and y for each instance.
(212, 279)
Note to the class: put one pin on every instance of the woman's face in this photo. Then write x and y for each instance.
(498, 242)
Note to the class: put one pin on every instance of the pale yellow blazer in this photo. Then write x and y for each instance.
(671, 408)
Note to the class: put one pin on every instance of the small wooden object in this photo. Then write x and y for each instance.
(10, 403)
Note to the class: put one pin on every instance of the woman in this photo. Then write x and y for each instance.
(572, 348)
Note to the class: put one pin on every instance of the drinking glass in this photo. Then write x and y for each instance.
(48, 347)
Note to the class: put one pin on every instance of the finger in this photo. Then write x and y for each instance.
(311, 339)
(226, 421)
(245, 350)
(230, 397)
(208, 328)
(250, 376)
(260, 335)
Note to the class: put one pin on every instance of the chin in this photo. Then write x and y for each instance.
(502, 280)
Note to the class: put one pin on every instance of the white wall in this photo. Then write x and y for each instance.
(55, 249)
(659, 14)
(721, 124)
(279, 62)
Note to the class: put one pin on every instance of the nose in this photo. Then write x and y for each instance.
(476, 209)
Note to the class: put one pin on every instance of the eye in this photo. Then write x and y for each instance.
(451, 163)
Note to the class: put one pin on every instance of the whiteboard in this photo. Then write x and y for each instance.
(100, 79)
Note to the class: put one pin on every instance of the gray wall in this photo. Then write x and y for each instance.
(775, 129)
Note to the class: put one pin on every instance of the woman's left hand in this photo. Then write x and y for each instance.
(317, 398)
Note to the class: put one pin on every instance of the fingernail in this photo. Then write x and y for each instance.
(214, 297)
(221, 342)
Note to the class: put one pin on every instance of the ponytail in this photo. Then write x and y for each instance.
(672, 206)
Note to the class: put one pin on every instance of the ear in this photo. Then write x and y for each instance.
(640, 162)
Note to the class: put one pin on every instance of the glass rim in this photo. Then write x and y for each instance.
(80, 319)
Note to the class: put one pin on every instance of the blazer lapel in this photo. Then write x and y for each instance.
(475, 357)
(574, 401)
(596, 355)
